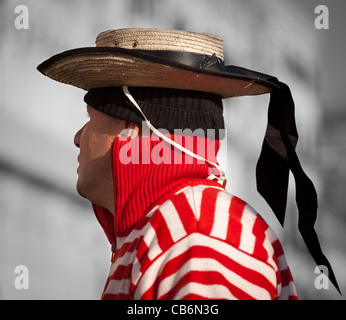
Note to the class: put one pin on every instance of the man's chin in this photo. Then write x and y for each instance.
(88, 189)
(81, 189)
(85, 192)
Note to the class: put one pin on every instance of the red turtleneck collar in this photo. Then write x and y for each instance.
(145, 172)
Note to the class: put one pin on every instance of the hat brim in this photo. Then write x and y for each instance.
(94, 67)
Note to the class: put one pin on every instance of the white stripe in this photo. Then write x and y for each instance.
(118, 286)
(125, 260)
(128, 239)
(183, 190)
(214, 291)
(287, 291)
(208, 264)
(200, 188)
(194, 197)
(242, 258)
(282, 263)
(270, 237)
(247, 238)
(151, 241)
(221, 218)
(120, 241)
(173, 221)
(197, 193)
(293, 290)
(136, 271)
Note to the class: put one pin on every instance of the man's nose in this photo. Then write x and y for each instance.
(77, 136)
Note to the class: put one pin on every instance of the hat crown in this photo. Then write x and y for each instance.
(158, 39)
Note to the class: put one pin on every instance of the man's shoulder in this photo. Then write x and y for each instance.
(214, 212)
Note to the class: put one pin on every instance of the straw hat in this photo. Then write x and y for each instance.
(155, 58)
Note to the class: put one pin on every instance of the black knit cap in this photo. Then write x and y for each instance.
(168, 109)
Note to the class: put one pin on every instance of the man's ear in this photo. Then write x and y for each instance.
(133, 129)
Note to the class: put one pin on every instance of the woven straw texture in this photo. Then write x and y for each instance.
(157, 39)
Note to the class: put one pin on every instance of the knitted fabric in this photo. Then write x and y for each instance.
(177, 235)
(168, 109)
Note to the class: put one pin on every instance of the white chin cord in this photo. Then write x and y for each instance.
(221, 179)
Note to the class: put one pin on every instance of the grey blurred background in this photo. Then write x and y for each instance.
(46, 226)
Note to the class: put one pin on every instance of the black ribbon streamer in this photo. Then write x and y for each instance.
(277, 157)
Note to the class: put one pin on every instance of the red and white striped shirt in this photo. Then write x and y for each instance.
(203, 243)
(181, 236)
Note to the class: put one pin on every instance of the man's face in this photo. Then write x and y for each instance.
(94, 139)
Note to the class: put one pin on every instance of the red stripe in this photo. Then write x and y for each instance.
(106, 285)
(127, 247)
(236, 210)
(277, 248)
(258, 230)
(252, 276)
(163, 233)
(185, 212)
(206, 278)
(142, 255)
(286, 277)
(278, 277)
(122, 272)
(207, 215)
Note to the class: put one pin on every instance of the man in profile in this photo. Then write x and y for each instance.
(175, 232)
